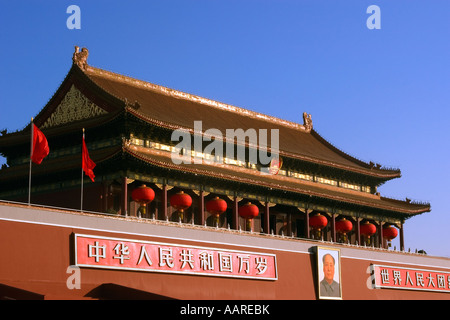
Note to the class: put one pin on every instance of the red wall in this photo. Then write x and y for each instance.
(35, 257)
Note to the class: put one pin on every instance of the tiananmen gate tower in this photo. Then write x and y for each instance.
(208, 217)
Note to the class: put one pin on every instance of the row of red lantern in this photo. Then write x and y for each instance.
(144, 195)
(344, 226)
(182, 201)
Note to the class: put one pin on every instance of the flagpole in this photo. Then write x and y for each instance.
(81, 206)
(31, 153)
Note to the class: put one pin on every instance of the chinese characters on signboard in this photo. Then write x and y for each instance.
(411, 279)
(114, 253)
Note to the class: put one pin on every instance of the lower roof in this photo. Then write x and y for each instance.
(277, 182)
(162, 159)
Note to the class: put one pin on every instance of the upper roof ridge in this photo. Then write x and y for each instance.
(80, 59)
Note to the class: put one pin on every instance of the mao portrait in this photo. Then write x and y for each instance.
(329, 273)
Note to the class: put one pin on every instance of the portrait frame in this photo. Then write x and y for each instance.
(330, 289)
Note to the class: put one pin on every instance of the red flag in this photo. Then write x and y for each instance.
(40, 147)
(87, 163)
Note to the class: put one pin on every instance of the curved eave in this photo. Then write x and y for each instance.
(378, 172)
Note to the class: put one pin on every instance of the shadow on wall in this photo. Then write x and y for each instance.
(111, 291)
(12, 293)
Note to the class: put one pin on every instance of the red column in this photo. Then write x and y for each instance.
(235, 213)
(124, 196)
(164, 201)
(105, 194)
(289, 225)
(333, 227)
(358, 231)
(380, 234)
(267, 218)
(201, 207)
(402, 239)
(307, 235)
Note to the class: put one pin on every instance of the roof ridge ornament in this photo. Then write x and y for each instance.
(134, 105)
(80, 57)
(307, 122)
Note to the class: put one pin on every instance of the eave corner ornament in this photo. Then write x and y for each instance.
(307, 122)
(80, 57)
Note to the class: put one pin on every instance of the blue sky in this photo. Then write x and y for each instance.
(380, 95)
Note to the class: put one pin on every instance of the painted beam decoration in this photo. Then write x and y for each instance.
(125, 254)
(392, 277)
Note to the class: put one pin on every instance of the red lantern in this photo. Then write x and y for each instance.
(390, 232)
(318, 221)
(181, 201)
(216, 206)
(248, 211)
(344, 226)
(368, 229)
(143, 195)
